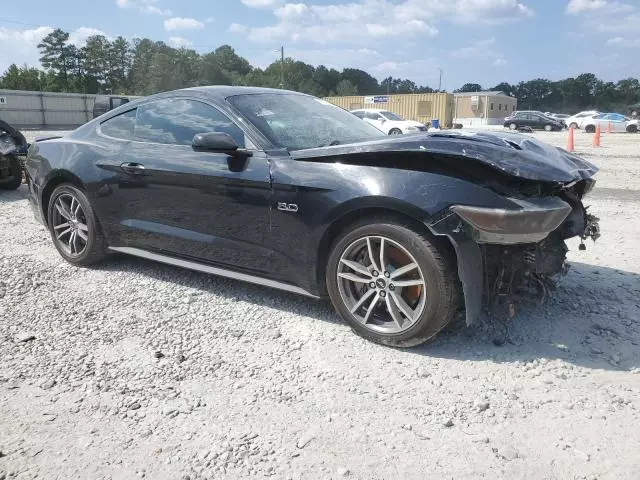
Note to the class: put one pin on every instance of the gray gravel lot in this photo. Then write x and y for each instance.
(134, 369)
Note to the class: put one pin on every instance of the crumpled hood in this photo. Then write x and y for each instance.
(515, 154)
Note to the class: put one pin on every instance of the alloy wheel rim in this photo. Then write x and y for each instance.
(70, 225)
(381, 284)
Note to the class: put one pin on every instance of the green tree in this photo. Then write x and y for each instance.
(469, 87)
(345, 88)
(57, 55)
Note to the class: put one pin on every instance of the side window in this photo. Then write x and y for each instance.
(372, 116)
(177, 121)
(121, 126)
(359, 114)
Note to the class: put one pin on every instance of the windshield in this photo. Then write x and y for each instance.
(391, 116)
(298, 122)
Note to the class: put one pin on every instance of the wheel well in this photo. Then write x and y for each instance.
(50, 187)
(358, 216)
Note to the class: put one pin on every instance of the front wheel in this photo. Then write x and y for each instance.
(391, 284)
(548, 128)
(74, 228)
(513, 126)
(632, 129)
(590, 129)
(15, 171)
(573, 125)
(395, 131)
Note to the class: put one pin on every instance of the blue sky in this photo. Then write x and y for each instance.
(480, 41)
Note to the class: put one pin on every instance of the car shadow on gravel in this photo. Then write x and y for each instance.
(228, 289)
(589, 321)
(10, 196)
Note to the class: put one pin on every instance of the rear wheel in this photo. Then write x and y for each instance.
(395, 131)
(15, 171)
(590, 129)
(74, 228)
(632, 129)
(573, 125)
(391, 284)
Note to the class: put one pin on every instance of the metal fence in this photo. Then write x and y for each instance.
(45, 110)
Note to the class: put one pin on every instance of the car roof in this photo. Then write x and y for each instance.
(214, 92)
(376, 110)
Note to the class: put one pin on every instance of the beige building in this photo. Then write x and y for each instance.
(476, 109)
(421, 107)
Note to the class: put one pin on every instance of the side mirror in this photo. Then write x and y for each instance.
(214, 142)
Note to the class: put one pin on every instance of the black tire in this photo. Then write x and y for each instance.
(96, 246)
(513, 126)
(573, 125)
(395, 131)
(15, 170)
(632, 129)
(590, 129)
(436, 266)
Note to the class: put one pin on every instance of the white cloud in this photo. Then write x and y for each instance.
(614, 41)
(145, 6)
(238, 28)
(80, 35)
(579, 6)
(481, 50)
(262, 3)
(344, 22)
(180, 23)
(623, 42)
(179, 42)
(20, 46)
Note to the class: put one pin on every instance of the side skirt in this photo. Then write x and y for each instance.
(200, 267)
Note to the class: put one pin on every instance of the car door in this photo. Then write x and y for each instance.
(375, 119)
(618, 122)
(170, 198)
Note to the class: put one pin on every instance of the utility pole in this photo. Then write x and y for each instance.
(282, 66)
(440, 82)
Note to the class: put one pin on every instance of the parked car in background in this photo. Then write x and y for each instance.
(513, 114)
(618, 122)
(533, 121)
(576, 120)
(560, 116)
(388, 122)
(105, 103)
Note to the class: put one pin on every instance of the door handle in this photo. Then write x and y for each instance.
(131, 167)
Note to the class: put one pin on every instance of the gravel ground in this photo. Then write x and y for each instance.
(134, 369)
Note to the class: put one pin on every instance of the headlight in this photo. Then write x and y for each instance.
(412, 129)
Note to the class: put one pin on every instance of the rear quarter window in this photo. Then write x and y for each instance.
(121, 126)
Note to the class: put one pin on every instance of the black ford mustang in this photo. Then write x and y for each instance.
(285, 190)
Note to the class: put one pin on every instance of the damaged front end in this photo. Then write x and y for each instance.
(508, 255)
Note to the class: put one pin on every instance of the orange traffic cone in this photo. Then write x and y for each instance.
(596, 136)
(609, 128)
(570, 146)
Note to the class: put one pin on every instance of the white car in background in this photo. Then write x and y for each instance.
(388, 122)
(576, 120)
(618, 122)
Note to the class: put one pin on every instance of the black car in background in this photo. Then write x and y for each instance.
(288, 191)
(533, 121)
